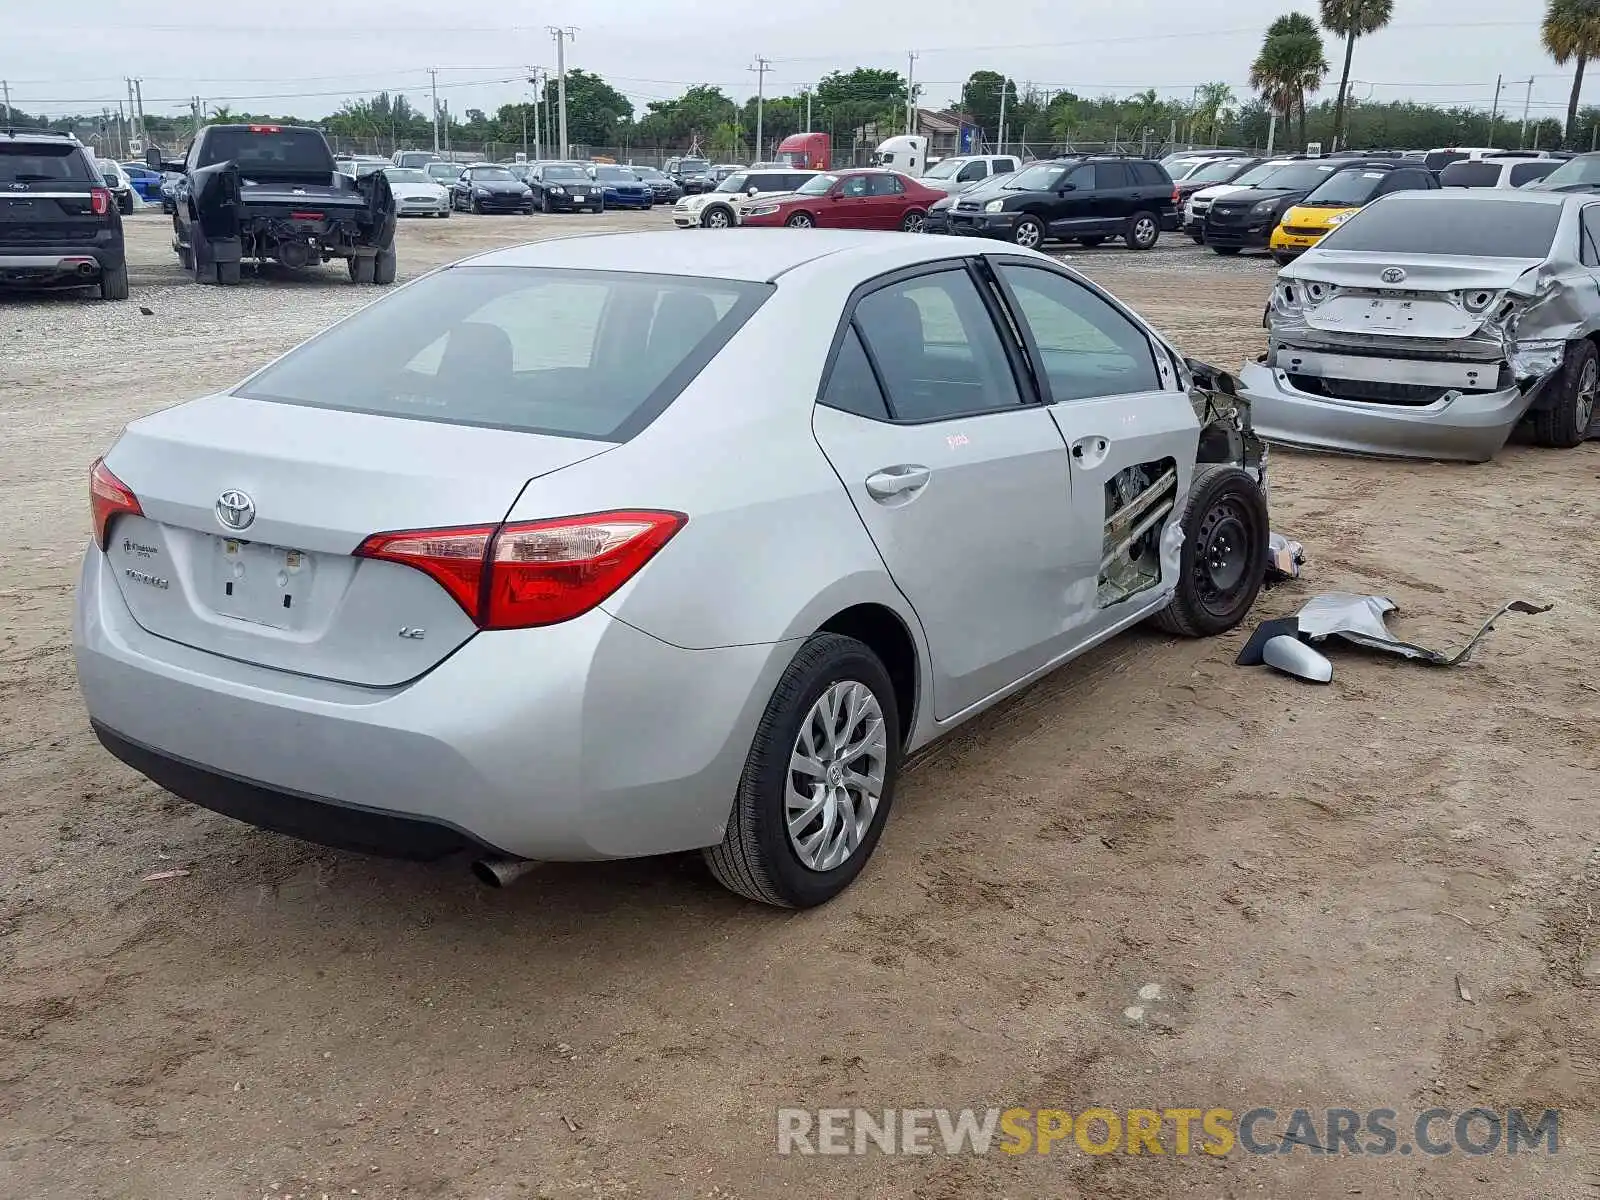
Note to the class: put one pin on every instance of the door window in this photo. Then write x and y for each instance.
(936, 348)
(1590, 252)
(851, 386)
(972, 171)
(1111, 175)
(1004, 165)
(1088, 347)
(1083, 178)
(855, 186)
(885, 185)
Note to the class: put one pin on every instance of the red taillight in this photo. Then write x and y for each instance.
(264, 129)
(108, 496)
(1177, 197)
(527, 573)
(100, 201)
(305, 216)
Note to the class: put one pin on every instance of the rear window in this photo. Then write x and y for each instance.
(1298, 175)
(587, 354)
(300, 150)
(31, 162)
(1438, 160)
(1347, 188)
(1482, 228)
(1527, 172)
(1470, 174)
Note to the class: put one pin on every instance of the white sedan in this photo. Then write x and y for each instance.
(416, 194)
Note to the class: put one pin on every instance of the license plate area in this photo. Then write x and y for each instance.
(265, 585)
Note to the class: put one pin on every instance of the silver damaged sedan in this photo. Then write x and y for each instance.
(539, 557)
(1432, 324)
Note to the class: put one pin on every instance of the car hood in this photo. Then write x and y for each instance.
(1248, 196)
(1216, 190)
(500, 185)
(417, 191)
(1319, 216)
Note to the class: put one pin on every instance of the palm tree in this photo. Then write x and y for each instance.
(1211, 105)
(1351, 19)
(1290, 65)
(1572, 32)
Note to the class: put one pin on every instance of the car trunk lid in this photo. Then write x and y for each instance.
(1400, 295)
(251, 511)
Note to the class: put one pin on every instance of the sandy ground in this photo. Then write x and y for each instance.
(1306, 873)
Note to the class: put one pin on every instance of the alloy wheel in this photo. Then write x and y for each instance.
(1144, 231)
(1588, 387)
(1029, 235)
(836, 775)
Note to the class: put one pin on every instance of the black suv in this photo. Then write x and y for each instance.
(1085, 199)
(1245, 219)
(59, 225)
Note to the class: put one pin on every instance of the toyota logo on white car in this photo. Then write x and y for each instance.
(235, 510)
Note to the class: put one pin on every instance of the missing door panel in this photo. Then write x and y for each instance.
(1138, 500)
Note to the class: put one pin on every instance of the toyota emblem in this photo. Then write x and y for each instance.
(235, 510)
(1393, 275)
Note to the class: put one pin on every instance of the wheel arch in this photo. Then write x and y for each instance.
(882, 629)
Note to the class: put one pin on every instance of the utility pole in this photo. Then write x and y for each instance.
(561, 35)
(808, 110)
(433, 74)
(1494, 113)
(138, 97)
(5, 88)
(538, 147)
(1522, 136)
(1005, 86)
(911, 92)
(761, 68)
(1272, 133)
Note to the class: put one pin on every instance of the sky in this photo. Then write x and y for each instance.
(1436, 51)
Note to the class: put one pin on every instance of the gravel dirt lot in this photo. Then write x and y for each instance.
(1306, 873)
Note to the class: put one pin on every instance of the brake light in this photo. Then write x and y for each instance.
(108, 497)
(1177, 195)
(305, 216)
(264, 129)
(100, 201)
(527, 573)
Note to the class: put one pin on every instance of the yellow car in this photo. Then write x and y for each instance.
(1336, 200)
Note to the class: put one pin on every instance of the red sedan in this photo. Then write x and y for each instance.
(867, 199)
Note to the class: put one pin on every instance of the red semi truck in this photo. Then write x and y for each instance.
(810, 151)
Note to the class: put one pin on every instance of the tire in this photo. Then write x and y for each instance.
(114, 284)
(385, 266)
(125, 207)
(913, 221)
(1028, 233)
(1564, 422)
(228, 273)
(361, 268)
(445, 214)
(718, 216)
(758, 858)
(185, 259)
(1283, 260)
(1226, 251)
(1224, 513)
(1143, 231)
(1197, 239)
(477, 209)
(545, 206)
(1090, 242)
(801, 220)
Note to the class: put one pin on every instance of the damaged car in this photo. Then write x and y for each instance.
(643, 607)
(1433, 324)
(272, 193)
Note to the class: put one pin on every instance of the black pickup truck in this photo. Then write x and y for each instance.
(272, 193)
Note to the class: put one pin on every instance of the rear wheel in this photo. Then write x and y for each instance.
(819, 780)
(800, 221)
(385, 266)
(1143, 231)
(545, 205)
(114, 283)
(1224, 556)
(1282, 259)
(185, 258)
(1028, 233)
(362, 268)
(914, 221)
(477, 209)
(227, 272)
(1564, 423)
(1226, 251)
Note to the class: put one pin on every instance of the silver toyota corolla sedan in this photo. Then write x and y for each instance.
(1431, 324)
(622, 545)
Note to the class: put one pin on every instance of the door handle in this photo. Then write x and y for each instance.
(1090, 451)
(897, 481)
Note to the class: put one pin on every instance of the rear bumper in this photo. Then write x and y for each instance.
(34, 263)
(1468, 426)
(570, 742)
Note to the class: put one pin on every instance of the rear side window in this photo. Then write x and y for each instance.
(1470, 174)
(1451, 224)
(1527, 172)
(885, 185)
(852, 387)
(34, 162)
(269, 148)
(1589, 232)
(1149, 175)
(936, 348)
(590, 354)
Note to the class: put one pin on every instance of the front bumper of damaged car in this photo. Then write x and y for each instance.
(1324, 400)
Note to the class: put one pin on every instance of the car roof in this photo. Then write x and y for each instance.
(757, 255)
(1515, 195)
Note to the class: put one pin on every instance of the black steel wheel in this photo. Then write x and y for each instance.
(1224, 556)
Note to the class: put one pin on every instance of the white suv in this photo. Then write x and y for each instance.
(952, 175)
(723, 207)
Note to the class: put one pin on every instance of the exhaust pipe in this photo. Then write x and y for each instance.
(501, 872)
(86, 269)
